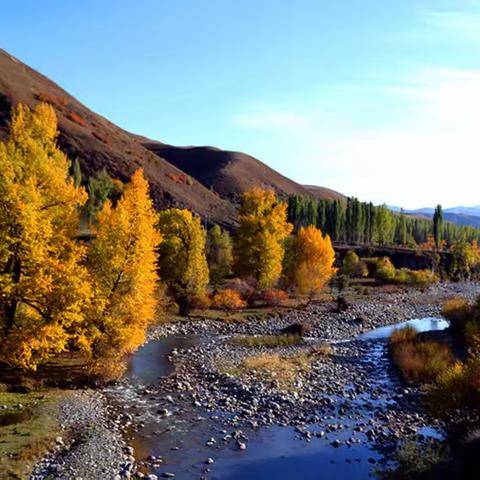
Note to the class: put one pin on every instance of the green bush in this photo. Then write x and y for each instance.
(421, 278)
(402, 276)
(415, 278)
(352, 266)
(384, 271)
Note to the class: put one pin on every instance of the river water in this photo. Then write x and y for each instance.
(280, 453)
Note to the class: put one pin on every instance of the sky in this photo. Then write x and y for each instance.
(376, 99)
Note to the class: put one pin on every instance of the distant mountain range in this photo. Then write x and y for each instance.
(459, 215)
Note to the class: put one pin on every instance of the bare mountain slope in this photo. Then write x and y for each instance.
(206, 180)
(227, 173)
(99, 143)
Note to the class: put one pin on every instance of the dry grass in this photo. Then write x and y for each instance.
(268, 341)
(421, 362)
(29, 436)
(458, 312)
(280, 370)
(76, 118)
(322, 350)
(272, 367)
(407, 334)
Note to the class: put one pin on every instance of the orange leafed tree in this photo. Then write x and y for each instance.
(228, 300)
(122, 262)
(258, 247)
(44, 289)
(313, 261)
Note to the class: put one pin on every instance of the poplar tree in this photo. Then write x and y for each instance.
(438, 225)
(122, 263)
(219, 254)
(44, 288)
(182, 260)
(313, 260)
(263, 227)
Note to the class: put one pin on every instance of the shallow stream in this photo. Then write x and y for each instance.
(177, 431)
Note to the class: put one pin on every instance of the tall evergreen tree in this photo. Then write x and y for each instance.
(438, 225)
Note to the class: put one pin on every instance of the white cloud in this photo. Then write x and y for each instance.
(462, 24)
(425, 154)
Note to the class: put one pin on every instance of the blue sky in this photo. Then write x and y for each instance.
(378, 99)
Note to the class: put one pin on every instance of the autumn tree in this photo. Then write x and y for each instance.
(122, 263)
(263, 227)
(313, 260)
(465, 260)
(219, 254)
(181, 257)
(44, 289)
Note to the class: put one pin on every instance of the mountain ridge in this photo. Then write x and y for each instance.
(212, 191)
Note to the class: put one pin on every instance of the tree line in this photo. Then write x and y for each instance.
(355, 222)
(59, 293)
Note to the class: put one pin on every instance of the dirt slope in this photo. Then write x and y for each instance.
(99, 143)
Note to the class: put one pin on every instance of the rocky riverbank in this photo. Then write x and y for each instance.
(349, 398)
(365, 313)
(92, 445)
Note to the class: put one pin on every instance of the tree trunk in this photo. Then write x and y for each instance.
(183, 306)
(10, 308)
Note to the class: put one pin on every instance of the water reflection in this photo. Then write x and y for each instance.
(421, 325)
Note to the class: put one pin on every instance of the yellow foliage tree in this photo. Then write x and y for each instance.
(314, 261)
(43, 286)
(122, 262)
(182, 260)
(259, 249)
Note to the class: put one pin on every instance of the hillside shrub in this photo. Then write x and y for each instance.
(228, 300)
(246, 287)
(458, 311)
(274, 297)
(419, 362)
(457, 387)
(406, 334)
(76, 118)
(384, 271)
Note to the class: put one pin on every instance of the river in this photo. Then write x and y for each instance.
(175, 435)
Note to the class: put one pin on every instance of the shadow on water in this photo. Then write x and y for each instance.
(151, 362)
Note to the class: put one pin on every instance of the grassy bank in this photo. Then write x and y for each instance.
(28, 427)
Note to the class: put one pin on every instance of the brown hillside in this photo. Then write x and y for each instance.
(230, 173)
(324, 193)
(99, 143)
(206, 180)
